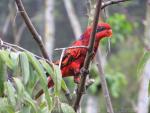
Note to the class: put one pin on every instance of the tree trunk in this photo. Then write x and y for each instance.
(143, 92)
(49, 30)
(73, 19)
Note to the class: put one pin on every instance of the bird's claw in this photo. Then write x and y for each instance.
(89, 82)
(84, 71)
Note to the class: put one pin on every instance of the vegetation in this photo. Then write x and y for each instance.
(23, 74)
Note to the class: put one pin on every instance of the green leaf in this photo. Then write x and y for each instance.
(5, 57)
(142, 62)
(2, 76)
(29, 100)
(57, 78)
(25, 109)
(5, 107)
(20, 87)
(10, 91)
(64, 86)
(66, 108)
(37, 66)
(47, 67)
(57, 106)
(24, 66)
(33, 80)
(14, 58)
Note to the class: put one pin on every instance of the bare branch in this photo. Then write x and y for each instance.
(49, 26)
(8, 19)
(18, 48)
(88, 57)
(105, 4)
(19, 33)
(31, 28)
(6, 24)
(13, 13)
(72, 47)
(104, 85)
(61, 57)
(73, 18)
(21, 29)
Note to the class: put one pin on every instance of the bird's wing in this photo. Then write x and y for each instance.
(72, 54)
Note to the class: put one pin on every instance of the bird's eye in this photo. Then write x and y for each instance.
(99, 29)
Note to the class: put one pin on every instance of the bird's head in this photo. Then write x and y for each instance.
(103, 30)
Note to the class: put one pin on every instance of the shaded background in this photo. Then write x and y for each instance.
(127, 45)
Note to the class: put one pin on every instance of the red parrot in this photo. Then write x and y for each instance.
(73, 58)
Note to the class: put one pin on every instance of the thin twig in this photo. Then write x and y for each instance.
(105, 4)
(6, 24)
(61, 57)
(88, 57)
(32, 29)
(72, 47)
(104, 84)
(18, 48)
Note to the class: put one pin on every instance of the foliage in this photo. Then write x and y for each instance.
(125, 52)
(21, 74)
(121, 27)
(116, 81)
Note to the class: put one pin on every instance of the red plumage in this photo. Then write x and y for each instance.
(73, 59)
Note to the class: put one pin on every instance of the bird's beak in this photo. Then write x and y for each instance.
(110, 33)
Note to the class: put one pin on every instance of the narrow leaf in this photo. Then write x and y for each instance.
(5, 107)
(25, 109)
(24, 66)
(29, 100)
(33, 80)
(42, 76)
(10, 92)
(14, 57)
(2, 76)
(64, 86)
(47, 67)
(57, 78)
(5, 57)
(66, 108)
(50, 71)
(19, 86)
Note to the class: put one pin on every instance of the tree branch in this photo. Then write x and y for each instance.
(31, 28)
(104, 84)
(34, 33)
(73, 18)
(18, 48)
(105, 4)
(88, 57)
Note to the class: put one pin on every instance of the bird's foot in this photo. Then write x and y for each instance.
(89, 82)
(84, 71)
